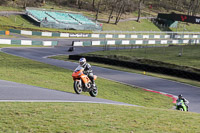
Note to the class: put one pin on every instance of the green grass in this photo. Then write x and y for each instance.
(25, 71)
(190, 54)
(19, 22)
(7, 8)
(187, 27)
(145, 25)
(76, 117)
(16, 21)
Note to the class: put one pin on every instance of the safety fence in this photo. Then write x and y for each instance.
(136, 35)
(138, 42)
(28, 42)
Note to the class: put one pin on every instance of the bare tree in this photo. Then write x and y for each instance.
(98, 9)
(111, 12)
(120, 10)
(43, 1)
(139, 9)
(112, 4)
(25, 2)
(93, 4)
(191, 5)
(196, 7)
(80, 3)
(77, 1)
(2, 2)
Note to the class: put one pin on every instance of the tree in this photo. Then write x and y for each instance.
(2, 2)
(112, 4)
(120, 10)
(139, 9)
(98, 9)
(43, 2)
(191, 5)
(93, 4)
(25, 2)
(79, 3)
(196, 7)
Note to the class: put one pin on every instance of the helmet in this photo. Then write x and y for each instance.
(180, 96)
(82, 61)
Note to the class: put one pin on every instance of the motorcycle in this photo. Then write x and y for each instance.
(82, 83)
(180, 105)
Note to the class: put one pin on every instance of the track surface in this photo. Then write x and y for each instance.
(189, 92)
(11, 91)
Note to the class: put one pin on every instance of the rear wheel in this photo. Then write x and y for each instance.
(77, 87)
(94, 92)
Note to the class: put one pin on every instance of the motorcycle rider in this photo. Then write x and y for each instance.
(180, 97)
(87, 70)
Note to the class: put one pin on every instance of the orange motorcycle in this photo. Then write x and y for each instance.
(82, 83)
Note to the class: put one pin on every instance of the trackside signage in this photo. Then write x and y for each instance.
(180, 17)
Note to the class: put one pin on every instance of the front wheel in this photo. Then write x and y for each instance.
(94, 92)
(77, 87)
(181, 109)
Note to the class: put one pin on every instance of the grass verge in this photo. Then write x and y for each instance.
(76, 117)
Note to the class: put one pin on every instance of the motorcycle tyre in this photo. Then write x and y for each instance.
(181, 109)
(93, 93)
(76, 88)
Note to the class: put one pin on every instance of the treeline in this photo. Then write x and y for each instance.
(115, 8)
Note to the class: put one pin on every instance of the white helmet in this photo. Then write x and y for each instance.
(82, 61)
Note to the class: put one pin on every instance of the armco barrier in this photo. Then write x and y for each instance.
(28, 42)
(2, 32)
(144, 67)
(137, 42)
(48, 34)
(108, 36)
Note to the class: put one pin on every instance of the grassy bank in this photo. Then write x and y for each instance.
(7, 8)
(76, 117)
(145, 25)
(21, 22)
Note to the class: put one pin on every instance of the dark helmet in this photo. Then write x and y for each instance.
(180, 96)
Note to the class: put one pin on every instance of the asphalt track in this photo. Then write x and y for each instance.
(40, 54)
